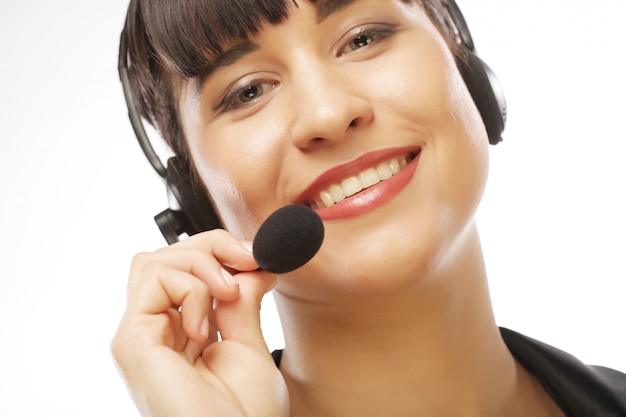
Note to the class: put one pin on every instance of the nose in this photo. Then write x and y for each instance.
(328, 105)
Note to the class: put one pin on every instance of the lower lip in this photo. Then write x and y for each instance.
(372, 197)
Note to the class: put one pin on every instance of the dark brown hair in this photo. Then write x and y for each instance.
(170, 40)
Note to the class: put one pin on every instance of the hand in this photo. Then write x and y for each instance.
(166, 347)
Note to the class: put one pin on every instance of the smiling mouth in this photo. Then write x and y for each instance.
(370, 177)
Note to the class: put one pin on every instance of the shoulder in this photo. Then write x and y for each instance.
(615, 379)
(579, 389)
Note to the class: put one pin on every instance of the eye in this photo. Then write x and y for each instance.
(361, 41)
(245, 94)
(365, 37)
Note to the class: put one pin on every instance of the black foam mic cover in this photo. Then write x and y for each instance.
(288, 239)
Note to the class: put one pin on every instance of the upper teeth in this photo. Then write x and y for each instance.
(352, 185)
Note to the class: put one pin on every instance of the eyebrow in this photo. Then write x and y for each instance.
(226, 58)
(328, 7)
(325, 9)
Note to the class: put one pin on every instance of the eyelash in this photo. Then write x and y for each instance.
(370, 34)
(233, 100)
(375, 32)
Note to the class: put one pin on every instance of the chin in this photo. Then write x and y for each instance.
(371, 255)
(399, 245)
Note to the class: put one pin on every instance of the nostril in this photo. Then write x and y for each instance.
(354, 123)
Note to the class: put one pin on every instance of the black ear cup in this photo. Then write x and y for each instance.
(485, 90)
(480, 80)
(190, 210)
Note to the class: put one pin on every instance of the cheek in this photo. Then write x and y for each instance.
(239, 168)
(432, 100)
(462, 151)
(424, 88)
(240, 163)
(228, 201)
(425, 93)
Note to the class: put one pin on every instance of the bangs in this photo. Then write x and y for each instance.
(187, 34)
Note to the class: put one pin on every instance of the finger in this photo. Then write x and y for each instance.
(193, 350)
(171, 288)
(225, 247)
(194, 262)
(240, 320)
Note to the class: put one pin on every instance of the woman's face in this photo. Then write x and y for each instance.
(360, 112)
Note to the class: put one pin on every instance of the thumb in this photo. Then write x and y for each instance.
(240, 320)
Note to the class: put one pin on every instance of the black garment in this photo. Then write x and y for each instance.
(579, 390)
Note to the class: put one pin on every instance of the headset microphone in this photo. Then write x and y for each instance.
(288, 239)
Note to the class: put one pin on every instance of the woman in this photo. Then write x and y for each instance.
(370, 112)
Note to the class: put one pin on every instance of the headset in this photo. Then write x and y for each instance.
(191, 211)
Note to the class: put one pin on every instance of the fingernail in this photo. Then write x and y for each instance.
(228, 278)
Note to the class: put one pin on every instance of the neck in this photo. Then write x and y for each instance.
(405, 354)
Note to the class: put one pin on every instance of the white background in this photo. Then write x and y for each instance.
(77, 197)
